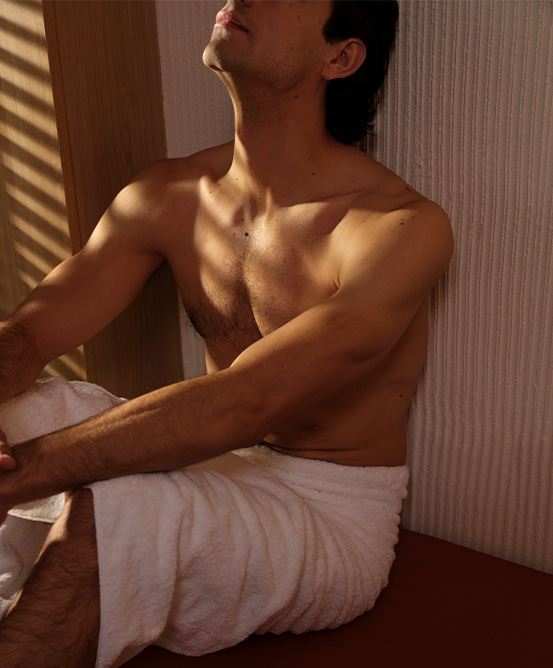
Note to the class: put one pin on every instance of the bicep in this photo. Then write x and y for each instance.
(341, 340)
(315, 355)
(88, 290)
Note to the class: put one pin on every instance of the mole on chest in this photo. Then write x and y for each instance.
(247, 284)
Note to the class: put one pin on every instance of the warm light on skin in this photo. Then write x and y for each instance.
(277, 75)
(283, 42)
(7, 462)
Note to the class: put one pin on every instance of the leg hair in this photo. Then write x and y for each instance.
(56, 620)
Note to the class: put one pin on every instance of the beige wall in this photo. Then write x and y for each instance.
(467, 119)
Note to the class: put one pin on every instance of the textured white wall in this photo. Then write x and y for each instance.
(467, 119)
(198, 111)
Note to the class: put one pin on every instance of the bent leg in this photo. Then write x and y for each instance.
(56, 619)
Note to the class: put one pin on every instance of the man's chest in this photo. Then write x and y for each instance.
(239, 283)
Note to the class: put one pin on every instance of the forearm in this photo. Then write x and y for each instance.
(19, 360)
(164, 430)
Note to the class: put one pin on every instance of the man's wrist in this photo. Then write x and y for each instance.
(35, 475)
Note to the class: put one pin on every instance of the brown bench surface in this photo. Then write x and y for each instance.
(446, 607)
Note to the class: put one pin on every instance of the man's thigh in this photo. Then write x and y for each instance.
(57, 613)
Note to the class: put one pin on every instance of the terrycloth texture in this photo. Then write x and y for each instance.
(20, 544)
(253, 541)
(48, 406)
(198, 559)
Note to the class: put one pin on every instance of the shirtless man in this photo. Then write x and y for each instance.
(304, 264)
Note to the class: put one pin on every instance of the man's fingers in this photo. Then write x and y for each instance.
(7, 462)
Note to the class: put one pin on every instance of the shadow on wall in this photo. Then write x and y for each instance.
(33, 226)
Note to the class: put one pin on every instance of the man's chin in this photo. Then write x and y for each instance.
(217, 57)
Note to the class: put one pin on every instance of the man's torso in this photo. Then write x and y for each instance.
(242, 275)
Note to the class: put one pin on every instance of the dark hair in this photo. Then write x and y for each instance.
(351, 102)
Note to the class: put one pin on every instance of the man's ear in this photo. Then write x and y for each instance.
(346, 58)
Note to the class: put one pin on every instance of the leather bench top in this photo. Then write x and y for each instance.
(446, 606)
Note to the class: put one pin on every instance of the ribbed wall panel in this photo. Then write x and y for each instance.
(467, 118)
(197, 107)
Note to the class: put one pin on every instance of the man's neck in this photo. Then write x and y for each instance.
(282, 151)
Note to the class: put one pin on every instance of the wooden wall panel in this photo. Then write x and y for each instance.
(104, 63)
(33, 218)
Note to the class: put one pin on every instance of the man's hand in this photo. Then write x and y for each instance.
(7, 463)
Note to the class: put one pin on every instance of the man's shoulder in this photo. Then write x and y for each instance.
(172, 184)
(387, 214)
(190, 169)
(385, 198)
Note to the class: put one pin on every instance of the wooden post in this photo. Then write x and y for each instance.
(106, 80)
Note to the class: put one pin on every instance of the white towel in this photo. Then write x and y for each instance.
(48, 406)
(250, 542)
(198, 559)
